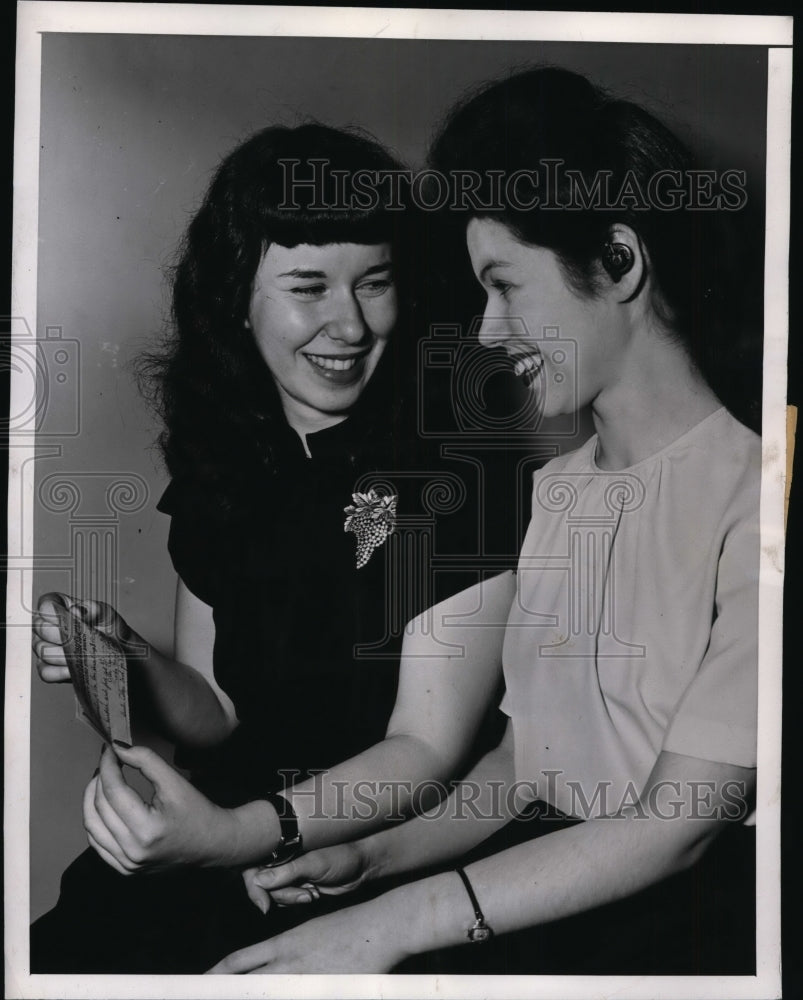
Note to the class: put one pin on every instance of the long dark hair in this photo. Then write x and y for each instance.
(220, 407)
(532, 120)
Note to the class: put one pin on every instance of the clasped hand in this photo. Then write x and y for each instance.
(329, 871)
(179, 826)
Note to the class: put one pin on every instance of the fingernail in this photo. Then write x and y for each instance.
(122, 744)
(263, 905)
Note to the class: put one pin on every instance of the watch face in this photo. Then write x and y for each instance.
(479, 934)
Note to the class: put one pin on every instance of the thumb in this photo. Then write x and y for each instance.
(160, 774)
(103, 617)
(290, 873)
(259, 897)
(95, 612)
(294, 895)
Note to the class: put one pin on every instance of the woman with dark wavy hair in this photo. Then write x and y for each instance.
(630, 650)
(285, 437)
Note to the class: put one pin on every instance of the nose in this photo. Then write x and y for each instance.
(346, 322)
(494, 330)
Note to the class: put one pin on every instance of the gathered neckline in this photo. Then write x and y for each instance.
(593, 442)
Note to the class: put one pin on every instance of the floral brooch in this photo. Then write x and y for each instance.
(372, 517)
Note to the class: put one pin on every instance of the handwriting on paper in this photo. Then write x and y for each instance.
(99, 676)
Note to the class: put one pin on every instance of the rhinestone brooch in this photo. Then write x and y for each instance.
(371, 517)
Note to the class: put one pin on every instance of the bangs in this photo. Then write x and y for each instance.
(316, 185)
(292, 227)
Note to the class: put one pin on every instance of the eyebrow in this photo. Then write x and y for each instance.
(298, 272)
(491, 264)
(378, 268)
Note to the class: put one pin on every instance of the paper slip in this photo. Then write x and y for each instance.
(99, 676)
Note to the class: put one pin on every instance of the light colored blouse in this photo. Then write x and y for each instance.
(634, 628)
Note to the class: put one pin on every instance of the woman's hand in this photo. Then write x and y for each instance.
(51, 662)
(330, 871)
(179, 826)
(362, 938)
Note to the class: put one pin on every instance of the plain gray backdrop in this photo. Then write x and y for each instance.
(131, 128)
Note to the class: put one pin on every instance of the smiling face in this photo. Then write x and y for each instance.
(568, 348)
(321, 317)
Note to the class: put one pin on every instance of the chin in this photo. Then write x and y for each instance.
(339, 406)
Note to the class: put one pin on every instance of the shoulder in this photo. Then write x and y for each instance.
(725, 460)
(185, 500)
(730, 442)
(222, 498)
(171, 498)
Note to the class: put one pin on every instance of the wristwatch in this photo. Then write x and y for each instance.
(290, 843)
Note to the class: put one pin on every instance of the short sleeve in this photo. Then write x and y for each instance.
(170, 499)
(193, 545)
(716, 719)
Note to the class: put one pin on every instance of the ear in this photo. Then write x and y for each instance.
(623, 261)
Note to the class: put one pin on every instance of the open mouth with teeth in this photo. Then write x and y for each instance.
(342, 369)
(527, 366)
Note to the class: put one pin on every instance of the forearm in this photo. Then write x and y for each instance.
(552, 877)
(580, 867)
(173, 698)
(477, 807)
(380, 786)
(449, 675)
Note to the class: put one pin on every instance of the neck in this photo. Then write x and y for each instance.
(304, 420)
(658, 396)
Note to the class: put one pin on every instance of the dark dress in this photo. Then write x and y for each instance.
(306, 646)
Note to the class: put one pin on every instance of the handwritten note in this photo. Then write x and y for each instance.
(99, 676)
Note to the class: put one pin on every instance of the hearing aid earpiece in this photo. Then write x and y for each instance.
(617, 259)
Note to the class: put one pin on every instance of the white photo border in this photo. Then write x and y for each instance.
(35, 18)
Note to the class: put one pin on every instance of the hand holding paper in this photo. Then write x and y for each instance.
(84, 643)
(178, 827)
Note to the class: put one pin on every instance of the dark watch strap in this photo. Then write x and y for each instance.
(290, 844)
(480, 931)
